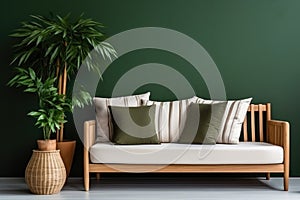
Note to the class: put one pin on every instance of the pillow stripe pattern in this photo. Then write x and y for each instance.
(109, 123)
(103, 115)
(228, 123)
(233, 119)
(170, 118)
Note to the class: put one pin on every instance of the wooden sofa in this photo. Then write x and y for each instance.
(257, 126)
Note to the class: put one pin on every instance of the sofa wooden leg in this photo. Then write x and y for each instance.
(97, 176)
(286, 181)
(86, 178)
(86, 171)
(268, 176)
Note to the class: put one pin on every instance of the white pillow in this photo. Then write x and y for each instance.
(103, 116)
(170, 118)
(233, 119)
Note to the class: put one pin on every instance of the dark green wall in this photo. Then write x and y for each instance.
(255, 45)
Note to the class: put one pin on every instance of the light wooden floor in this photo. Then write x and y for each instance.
(160, 188)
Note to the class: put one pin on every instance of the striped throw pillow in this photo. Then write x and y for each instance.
(233, 119)
(170, 118)
(103, 116)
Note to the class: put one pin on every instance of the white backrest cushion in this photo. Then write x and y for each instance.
(103, 116)
(170, 118)
(233, 119)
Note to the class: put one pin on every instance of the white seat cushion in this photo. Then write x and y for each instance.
(173, 153)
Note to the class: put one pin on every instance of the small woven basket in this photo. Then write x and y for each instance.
(45, 173)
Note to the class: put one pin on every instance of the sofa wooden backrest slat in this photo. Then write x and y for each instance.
(245, 128)
(252, 122)
(259, 114)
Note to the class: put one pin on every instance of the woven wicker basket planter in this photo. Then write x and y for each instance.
(45, 172)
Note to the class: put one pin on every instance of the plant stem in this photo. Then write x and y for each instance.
(44, 132)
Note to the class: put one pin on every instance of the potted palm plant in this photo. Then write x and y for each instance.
(55, 47)
(52, 105)
(45, 173)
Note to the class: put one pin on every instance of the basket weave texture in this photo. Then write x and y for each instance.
(45, 172)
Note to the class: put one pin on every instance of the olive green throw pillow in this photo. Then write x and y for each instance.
(203, 123)
(134, 125)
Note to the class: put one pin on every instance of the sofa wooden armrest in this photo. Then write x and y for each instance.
(278, 133)
(89, 140)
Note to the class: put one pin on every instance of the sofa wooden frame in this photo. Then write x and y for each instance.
(276, 132)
